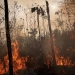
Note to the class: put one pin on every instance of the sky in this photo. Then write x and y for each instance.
(54, 6)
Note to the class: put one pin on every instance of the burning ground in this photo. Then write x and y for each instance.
(34, 55)
(18, 63)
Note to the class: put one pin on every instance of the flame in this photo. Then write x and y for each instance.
(18, 62)
(1, 67)
(60, 60)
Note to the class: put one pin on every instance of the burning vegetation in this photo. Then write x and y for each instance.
(30, 56)
(18, 62)
(40, 51)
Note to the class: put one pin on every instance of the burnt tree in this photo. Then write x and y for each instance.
(8, 38)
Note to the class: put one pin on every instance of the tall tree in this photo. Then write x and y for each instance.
(52, 48)
(8, 38)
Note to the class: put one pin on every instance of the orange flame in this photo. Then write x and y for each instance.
(18, 63)
(60, 60)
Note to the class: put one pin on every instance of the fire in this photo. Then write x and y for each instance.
(18, 63)
(60, 60)
(1, 68)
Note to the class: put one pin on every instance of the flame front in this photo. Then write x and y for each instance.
(60, 60)
(18, 63)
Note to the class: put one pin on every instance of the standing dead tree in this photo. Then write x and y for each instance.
(52, 48)
(8, 38)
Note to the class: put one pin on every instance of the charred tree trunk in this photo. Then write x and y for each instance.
(51, 40)
(8, 38)
(38, 12)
